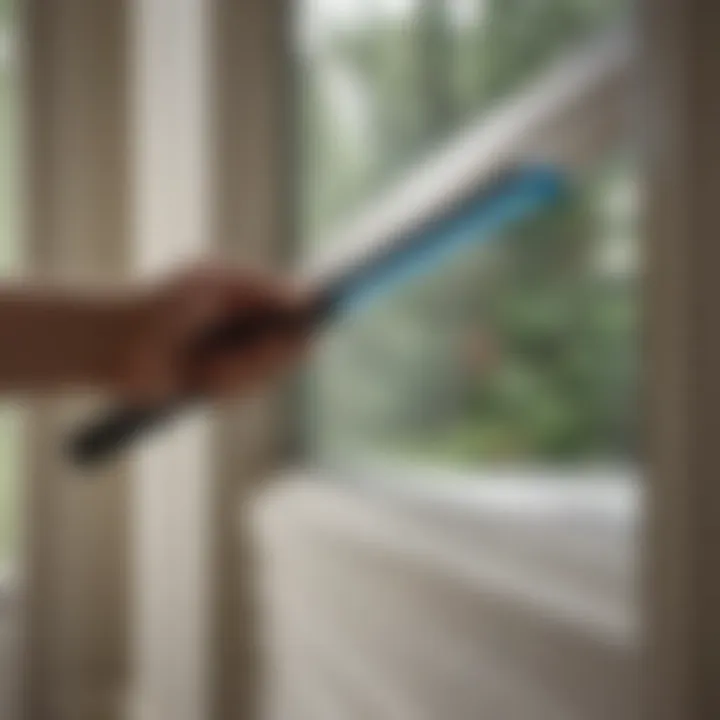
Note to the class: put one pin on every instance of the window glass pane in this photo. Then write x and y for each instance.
(523, 349)
(487, 565)
(383, 81)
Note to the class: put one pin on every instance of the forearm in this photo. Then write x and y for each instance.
(53, 339)
(134, 340)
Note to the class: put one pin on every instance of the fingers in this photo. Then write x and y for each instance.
(160, 361)
(238, 372)
(238, 288)
(242, 294)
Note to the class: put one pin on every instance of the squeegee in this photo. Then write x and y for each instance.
(518, 161)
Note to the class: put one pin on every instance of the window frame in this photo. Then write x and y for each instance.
(75, 226)
(676, 98)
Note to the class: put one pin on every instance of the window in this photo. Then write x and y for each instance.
(522, 350)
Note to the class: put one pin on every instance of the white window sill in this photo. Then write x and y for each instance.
(370, 570)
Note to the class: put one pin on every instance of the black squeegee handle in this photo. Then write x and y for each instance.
(117, 427)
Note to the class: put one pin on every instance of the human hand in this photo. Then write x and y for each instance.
(158, 356)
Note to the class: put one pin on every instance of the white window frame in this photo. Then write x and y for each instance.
(94, 553)
(73, 554)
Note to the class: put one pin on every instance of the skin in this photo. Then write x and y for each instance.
(134, 343)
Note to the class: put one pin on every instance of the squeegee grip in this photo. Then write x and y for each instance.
(117, 427)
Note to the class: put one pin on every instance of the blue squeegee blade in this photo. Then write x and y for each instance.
(517, 196)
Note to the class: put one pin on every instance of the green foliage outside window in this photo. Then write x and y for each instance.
(523, 349)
